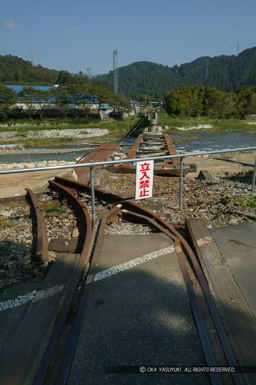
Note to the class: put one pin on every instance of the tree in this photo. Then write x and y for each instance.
(7, 100)
(64, 78)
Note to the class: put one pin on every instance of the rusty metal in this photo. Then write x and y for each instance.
(135, 212)
(138, 218)
(205, 342)
(103, 153)
(237, 377)
(59, 324)
(171, 150)
(41, 232)
(134, 149)
(111, 198)
(73, 340)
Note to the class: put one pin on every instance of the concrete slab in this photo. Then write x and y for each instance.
(227, 270)
(237, 245)
(28, 326)
(137, 317)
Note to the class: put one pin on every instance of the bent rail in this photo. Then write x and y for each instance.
(141, 212)
(73, 340)
(62, 316)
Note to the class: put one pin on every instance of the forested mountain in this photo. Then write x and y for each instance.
(226, 73)
(15, 70)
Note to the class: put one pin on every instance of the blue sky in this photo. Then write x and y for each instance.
(74, 35)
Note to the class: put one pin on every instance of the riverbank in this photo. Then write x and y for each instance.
(224, 167)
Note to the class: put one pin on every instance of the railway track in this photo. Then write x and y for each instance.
(57, 356)
(153, 144)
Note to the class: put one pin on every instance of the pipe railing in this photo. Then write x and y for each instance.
(92, 164)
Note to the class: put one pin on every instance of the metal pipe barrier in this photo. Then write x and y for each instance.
(254, 176)
(92, 164)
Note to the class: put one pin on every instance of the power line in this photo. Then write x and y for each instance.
(115, 71)
(206, 71)
(32, 52)
(237, 49)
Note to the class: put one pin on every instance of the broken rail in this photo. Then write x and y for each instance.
(92, 164)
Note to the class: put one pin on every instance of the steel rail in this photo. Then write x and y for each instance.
(112, 198)
(202, 331)
(237, 377)
(76, 329)
(41, 232)
(139, 218)
(71, 347)
(61, 318)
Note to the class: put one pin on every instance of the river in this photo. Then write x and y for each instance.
(216, 141)
(208, 141)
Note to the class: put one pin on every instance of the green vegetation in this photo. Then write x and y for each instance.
(185, 139)
(243, 175)
(223, 98)
(22, 126)
(246, 202)
(72, 101)
(14, 70)
(114, 130)
(50, 207)
(171, 123)
(226, 73)
(5, 223)
(194, 101)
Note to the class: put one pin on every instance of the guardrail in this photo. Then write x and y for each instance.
(92, 164)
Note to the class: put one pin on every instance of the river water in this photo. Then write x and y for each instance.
(39, 154)
(208, 141)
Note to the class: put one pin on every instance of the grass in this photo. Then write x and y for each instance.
(22, 126)
(51, 207)
(185, 139)
(243, 175)
(117, 129)
(5, 223)
(246, 202)
(223, 125)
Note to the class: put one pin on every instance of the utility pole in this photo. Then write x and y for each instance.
(237, 49)
(32, 52)
(89, 72)
(206, 71)
(115, 71)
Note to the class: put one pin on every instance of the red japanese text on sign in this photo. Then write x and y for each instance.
(144, 179)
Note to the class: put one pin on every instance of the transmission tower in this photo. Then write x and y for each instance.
(206, 71)
(89, 71)
(32, 52)
(237, 49)
(115, 72)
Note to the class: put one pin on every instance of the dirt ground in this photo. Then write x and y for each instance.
(219, 165)
(15, 184)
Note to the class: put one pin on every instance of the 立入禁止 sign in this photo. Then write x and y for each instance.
(144, 179)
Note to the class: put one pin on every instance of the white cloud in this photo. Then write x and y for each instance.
(74, 28)
(10, 24)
